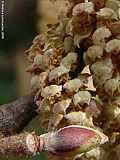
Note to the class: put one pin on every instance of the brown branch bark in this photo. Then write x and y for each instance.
(21, 144)
(16, 115)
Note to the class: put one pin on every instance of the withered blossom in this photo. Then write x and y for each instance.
(90, 32)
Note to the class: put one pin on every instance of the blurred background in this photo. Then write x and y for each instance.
(23, 20)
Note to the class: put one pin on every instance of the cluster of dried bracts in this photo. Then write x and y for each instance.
(89, 29)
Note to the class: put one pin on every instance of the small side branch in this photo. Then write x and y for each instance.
(70, 140)
(16, 115)
(22, 144)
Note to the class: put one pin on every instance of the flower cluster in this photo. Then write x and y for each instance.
(91, 30)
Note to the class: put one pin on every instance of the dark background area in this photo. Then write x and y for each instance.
(20, 28)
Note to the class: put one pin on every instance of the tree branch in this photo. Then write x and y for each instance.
(21, 144)
(16, 115)
(70, 140)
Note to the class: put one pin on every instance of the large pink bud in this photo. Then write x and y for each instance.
(74, 138)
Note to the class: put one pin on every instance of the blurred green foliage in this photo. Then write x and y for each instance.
(8, 92)
(20, 28)
(42, 156)
(7, 88)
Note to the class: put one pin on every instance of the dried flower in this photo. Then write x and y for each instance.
(113, 4)
(73, 85)
(58, 72)
(69, 60)
(93, 53)
(93, 109)
(113, 46)
(61, 107)
(102, 71)
(115, 28)
(100, 35)
(111, 86)
(80, 118)
(39, 81)
(51, 91)
(82, 97)
(87, 7)
(90, 29)
(107, 13)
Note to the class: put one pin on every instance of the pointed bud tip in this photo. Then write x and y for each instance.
(103, 137)
(73, 138)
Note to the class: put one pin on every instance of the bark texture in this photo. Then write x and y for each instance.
(22, 144)
(16, 115)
